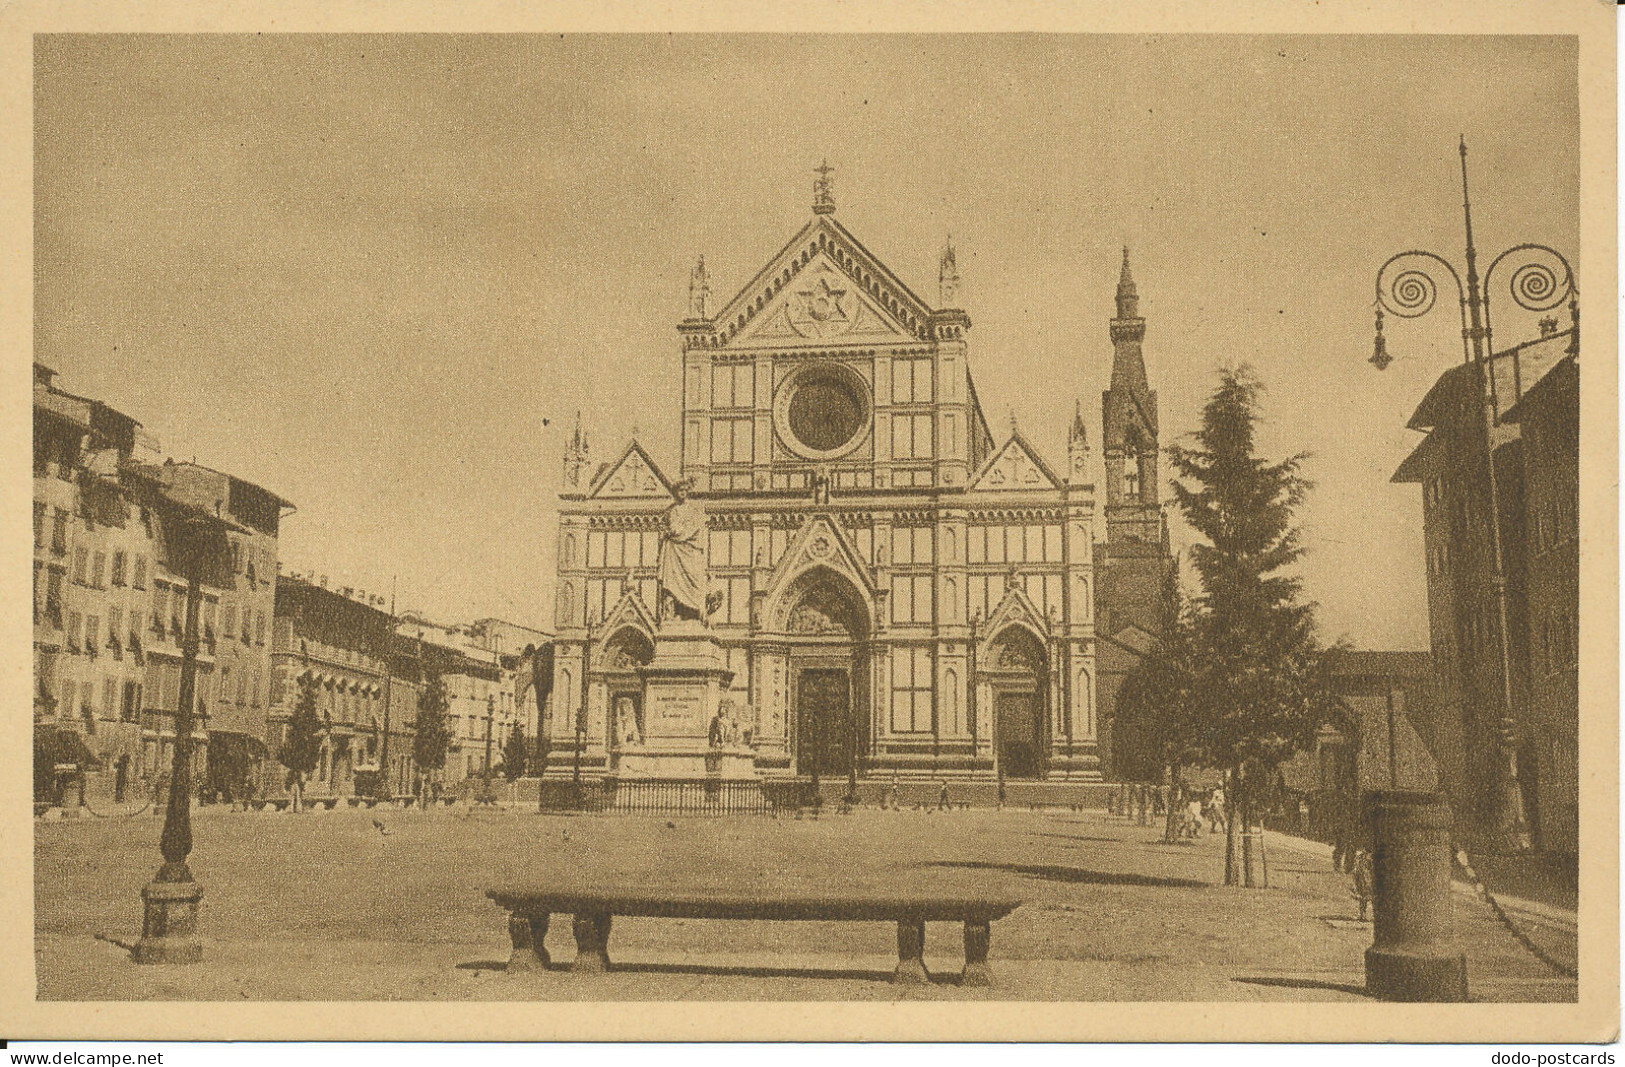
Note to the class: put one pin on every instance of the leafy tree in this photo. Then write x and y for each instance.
(1259, 678)
(432, 737)
(515, 753)
(302, 748)
(1156, 708)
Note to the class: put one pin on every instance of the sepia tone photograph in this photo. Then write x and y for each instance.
(946, 519)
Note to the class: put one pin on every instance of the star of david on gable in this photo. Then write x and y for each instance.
(819, 310)
(822, 303)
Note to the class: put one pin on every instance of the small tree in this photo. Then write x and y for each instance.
(515, 753)
(432, 737)
(302, 748)
(1260, 686)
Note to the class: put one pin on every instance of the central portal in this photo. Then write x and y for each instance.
(824, 713)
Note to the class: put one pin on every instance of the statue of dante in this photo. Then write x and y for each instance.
(684, 574)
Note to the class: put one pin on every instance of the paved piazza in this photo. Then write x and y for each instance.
(323, 906)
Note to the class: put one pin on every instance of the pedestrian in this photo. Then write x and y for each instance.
(1215, 811)
(1193, 817)
(1364, 879)
(942, 797)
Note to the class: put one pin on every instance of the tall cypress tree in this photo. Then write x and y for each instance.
(1260, 687)
(302, 748)
(432, 736)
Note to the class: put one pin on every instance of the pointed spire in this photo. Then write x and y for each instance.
(1080, 432)
(575, 456)
(948, 276)
(1014, 429)
(699, 292)
(1128, 298)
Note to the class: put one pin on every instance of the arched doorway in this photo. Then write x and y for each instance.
(1015, 670)
(626, 650)
(827, 622)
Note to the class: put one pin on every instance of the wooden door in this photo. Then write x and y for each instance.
(823, 722)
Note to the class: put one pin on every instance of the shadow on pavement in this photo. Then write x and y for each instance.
(1076, 837)
(718, 971)
(1305, 983)
(1073, 874)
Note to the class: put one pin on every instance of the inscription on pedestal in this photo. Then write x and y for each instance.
(677, 712)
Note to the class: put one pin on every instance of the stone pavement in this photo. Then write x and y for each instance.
(325, 907)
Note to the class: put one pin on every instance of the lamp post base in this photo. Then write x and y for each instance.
(1416, 975)
(169, 923)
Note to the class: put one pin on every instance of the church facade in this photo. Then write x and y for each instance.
(898, 589)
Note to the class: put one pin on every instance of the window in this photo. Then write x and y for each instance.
(110, 697)
(911, 381)
(119, 561)
(911, 436)
(59, 533)
(131, 707)
(73, 631)
(731, 441)
(115, 627)
(208, 619)
(259, 627)
(1131, 481)
(92, 635)
(911, 690)
(911, 545)
(911, 598)
(53, 597)
(138, 576)
(65, 705)
(254, 690)
(733, 386)
(246, 636)
(39, 524)
(98, 570)
(81, 564)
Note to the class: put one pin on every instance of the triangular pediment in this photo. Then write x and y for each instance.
(823, 287)
(631, 611)
(632, 476)
(820, 544)
(822, 305)
(1016, 608)
(1016, 467)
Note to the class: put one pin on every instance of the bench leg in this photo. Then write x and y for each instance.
(592, 943)
(977, 973)
(910, 952)
(528, 932)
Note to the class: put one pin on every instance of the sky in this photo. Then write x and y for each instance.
(380, 275)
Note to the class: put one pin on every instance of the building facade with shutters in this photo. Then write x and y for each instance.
(109, 611)
(899, 590)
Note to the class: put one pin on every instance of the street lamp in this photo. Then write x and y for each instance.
(195, 548)
(1541, 281)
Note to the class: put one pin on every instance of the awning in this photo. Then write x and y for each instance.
(253, 742)
(57, 744)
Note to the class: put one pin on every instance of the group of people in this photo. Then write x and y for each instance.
(1203, 807)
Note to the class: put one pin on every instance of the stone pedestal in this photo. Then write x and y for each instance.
(169, 923)
(683, 689)
(1414, 955)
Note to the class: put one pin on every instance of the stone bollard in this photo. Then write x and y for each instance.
(1414, 955)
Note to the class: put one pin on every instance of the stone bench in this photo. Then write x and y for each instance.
(593, 911)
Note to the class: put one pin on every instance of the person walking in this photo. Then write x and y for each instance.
(1215, 811)
(1364, 880)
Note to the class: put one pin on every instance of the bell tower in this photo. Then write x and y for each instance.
(1129, 428)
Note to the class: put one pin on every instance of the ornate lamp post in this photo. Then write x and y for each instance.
(196, 549)
(1541, 280)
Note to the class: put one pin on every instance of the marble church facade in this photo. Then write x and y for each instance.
(901, 590)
